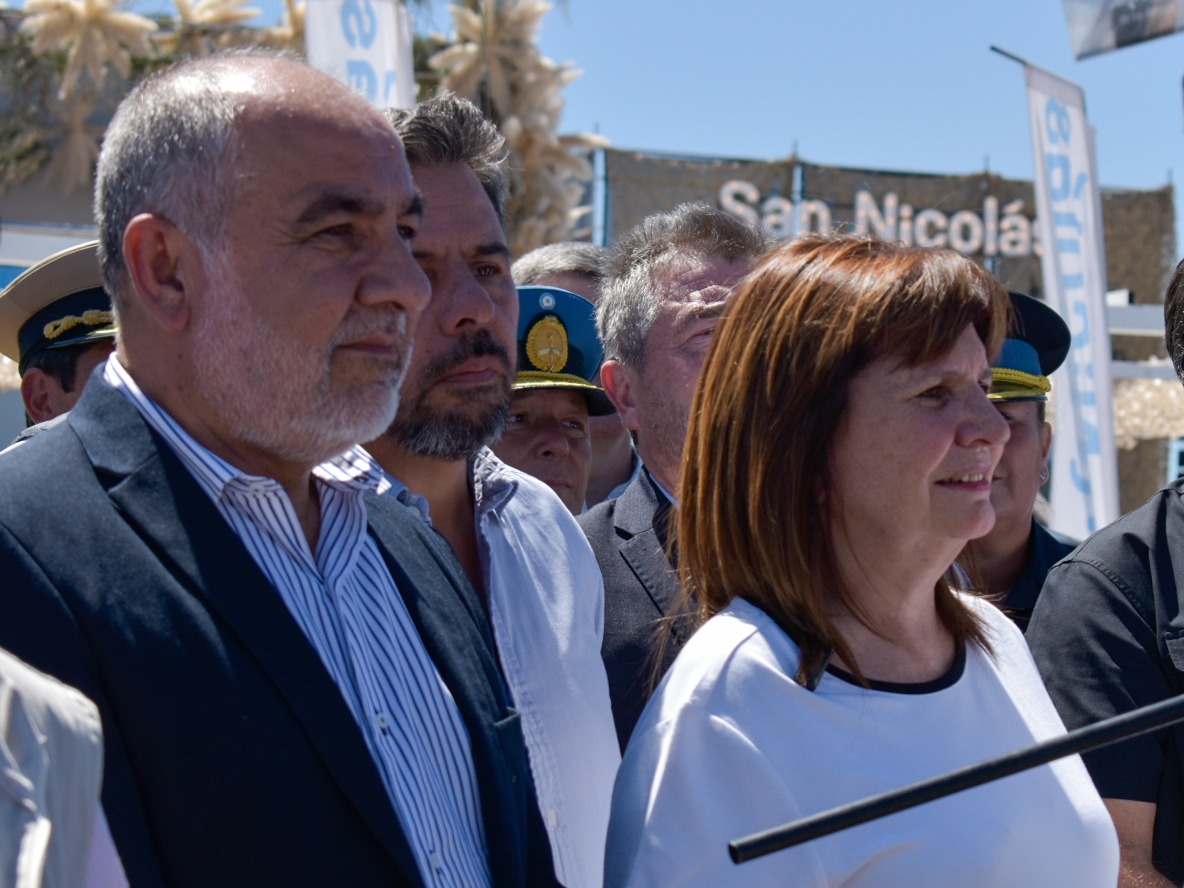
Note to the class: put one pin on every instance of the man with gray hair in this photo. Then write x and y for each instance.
(295, 685)
(579, 267)
(516, 541)
(574, 266)
(667, 285)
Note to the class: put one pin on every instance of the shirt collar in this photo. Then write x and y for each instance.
(354, 469)
(490, 479)
(404, 494)
(493, 481)
(666, 493)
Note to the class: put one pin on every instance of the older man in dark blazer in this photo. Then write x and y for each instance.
(668, 282)
(297, 687)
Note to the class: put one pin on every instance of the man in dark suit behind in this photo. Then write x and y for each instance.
(296, 686)
(668, 282)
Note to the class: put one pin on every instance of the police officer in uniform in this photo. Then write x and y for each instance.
(1012, 560)
(559, 353)
(56, 323)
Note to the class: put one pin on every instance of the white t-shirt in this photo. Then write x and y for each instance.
(730, 745)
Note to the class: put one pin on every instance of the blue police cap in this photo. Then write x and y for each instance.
(558, 347)
(1037, 343)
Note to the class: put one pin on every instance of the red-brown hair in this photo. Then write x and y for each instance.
(810, 315)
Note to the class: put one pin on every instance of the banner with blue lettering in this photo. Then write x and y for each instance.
(1073, 263)
(365, 43)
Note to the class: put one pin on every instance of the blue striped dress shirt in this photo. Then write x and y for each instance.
(346, 603)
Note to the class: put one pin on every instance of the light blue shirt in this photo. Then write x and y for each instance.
(546, 602)
(346, 603)
(620, 488)
(666, 493)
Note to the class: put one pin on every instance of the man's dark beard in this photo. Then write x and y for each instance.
(456, 434)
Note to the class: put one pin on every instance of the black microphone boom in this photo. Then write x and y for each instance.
(1112, 730)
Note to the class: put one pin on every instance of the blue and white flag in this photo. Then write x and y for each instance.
(365, 43)
(1073, 266)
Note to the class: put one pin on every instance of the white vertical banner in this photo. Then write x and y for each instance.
(1073, 266)
(365, 43)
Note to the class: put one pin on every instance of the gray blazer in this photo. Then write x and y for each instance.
(641, 587)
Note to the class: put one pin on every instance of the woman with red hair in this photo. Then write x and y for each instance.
(840, 455)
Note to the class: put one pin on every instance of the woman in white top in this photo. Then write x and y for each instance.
(839, 457)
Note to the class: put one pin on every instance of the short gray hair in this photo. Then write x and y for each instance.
(171, 150)
(629, 299)
(447, 129)
(580, 258)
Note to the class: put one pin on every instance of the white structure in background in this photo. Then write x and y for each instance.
(366, 44)
(22, 245)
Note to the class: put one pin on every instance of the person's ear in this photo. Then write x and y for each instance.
(162, 265)
(620, 384)
(41, 392)
(1045, 442)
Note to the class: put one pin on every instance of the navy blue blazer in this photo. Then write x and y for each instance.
(641, 587)
(231, 757)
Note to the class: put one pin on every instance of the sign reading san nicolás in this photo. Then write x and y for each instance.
(991, 230)
(985, 216)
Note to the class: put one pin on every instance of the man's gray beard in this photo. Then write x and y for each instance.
(274, 393)
(448, 437)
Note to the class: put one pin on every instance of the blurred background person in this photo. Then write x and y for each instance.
(1009, 564)
(56, 323)
(52, 830)
(575, 266)
(840, 454)
(554, 398)
(578, 267)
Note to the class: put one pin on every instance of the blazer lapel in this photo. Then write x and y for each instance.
(160, 499)
(641, 514)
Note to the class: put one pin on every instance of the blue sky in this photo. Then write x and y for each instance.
(909, 84)
(898, 85)
(901, 85)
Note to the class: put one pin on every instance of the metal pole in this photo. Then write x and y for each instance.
(1008, 55)
(1103, 733)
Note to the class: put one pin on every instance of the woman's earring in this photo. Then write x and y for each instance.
(1044, 475)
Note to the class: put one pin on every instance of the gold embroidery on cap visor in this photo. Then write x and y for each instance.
(92, 318)
(546, 344)
(529, 379)
(1007, 384)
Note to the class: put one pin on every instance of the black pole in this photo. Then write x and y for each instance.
(1103, 733)
(1008, 55)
